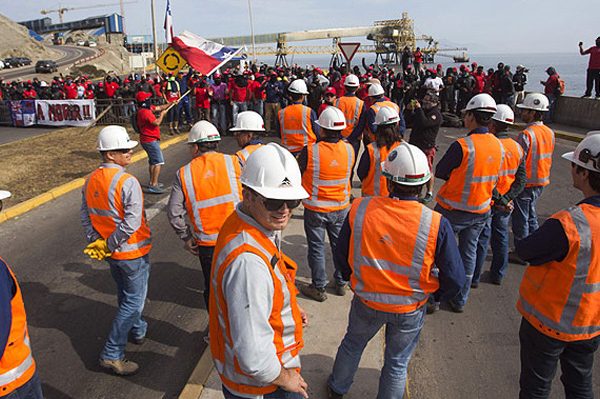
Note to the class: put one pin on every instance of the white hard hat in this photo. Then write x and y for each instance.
(273, 172)
(298, 86)
(4, 194)
(482, 102)
(375, 90)
(536, 102)
(332, 118)
(114, 137)
(587, 153)
(351, 81)
(387, 116)
(406, 164)
(504, 114)
(249, 121)
(43, 83)
(203, 132)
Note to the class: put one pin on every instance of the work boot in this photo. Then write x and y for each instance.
(137, 340)
(318, 294)
(120, 367)
(474, 284)
(513, 257)
(340, 289)
(427, 198)
(456, 308)
(432, 306)
(331, 394)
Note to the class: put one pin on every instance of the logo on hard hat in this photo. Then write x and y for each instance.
(393, 155)
(536, 102)
(286, 182)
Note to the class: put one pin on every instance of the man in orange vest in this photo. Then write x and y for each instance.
(352, 107)
(366, 124)
(247, 127)
(297, 126)
(470, 169)
(387, 249)
(18, 375)
(326, 169)
(114, 221)
(255, 321)
(206, 191)
(537, 141)
(559, 293)
(510, 183)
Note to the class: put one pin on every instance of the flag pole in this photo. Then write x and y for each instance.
(252, 30)
(154, 38)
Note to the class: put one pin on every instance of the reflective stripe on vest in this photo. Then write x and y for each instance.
(536, 156)
(577, 289)
(197, 206)
(412, 271)
(17, 372)
(513, 156)
(350, 122)
(286, 132)
(377, 166)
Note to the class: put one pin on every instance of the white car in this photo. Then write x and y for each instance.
(81, 43)
(1, 65)
(93, 44)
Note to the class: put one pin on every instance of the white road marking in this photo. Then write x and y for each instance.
(156, 208)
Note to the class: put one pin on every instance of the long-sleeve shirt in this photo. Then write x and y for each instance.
(7, 292)
(426, 125)
(447, 257)
(176, 210)
(453, 157)
(248, 290)
(535, 248)
(133, 210)
(517, 186)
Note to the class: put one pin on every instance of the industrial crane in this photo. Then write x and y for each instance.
(61, 10)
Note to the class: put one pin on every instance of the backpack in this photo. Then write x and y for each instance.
(560, 87)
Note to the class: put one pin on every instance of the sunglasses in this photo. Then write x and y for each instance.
(123, 151)
(586, 155)
(276, 204)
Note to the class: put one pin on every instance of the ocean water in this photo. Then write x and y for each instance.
(570, 66)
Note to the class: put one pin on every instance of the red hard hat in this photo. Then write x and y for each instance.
(439, 66)
(330, 90)
(217, 75)
(101, 84)
(142, 96)
(463, 67)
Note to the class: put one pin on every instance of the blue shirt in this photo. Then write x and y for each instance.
(274, 91)
(7, 292)
(535, 249)
(447, 257)
(453, 157)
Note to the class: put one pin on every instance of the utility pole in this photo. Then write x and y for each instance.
(252, 30)
(122, 14)
(154, 40)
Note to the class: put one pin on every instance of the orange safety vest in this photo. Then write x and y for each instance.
(327, 176)
(470, 186)
(16, 365)
(392, 253)
(105, 206)
(245, 152)
(375, 183)
(351, 106)
(376, 107)
(539, 156)
(513, 155)
(212, 188)
(238, 237)
(561, 299)
(296, 127)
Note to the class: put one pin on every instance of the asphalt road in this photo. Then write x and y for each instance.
(70, 55)
(71, 301)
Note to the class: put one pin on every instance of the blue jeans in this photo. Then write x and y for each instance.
(219, 116)
(496, 232)
(524, 217)
(32, 389)
(236, 108)
(549, 116)
(184, 107)
(315, 226)
(131, 277)
(468, 227)
(401, 337)
(155, 155)
(258, 107)
(278, 394)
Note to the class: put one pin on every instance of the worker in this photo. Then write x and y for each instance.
(172, 94)
(510, 184)
(537, 141)
(18, 374)
(386, 139)
(558, 298)
(326, 168)
(206, 190)
(366, 124)
(352, 107)
(297, 122)
(470, 169)
(255, 321)
(115, 225)
(148, 127)
(247, 126)
(387, 248)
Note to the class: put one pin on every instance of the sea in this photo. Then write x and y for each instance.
(570, 66)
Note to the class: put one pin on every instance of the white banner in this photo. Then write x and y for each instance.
(65, 112)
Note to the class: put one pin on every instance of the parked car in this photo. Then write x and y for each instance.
(81, 43)
(24, 61)
(93, 44)
(46, 66)
(11, 62)
(1, 64)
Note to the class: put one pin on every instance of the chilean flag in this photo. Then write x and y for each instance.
(202, 55)
(168, 23)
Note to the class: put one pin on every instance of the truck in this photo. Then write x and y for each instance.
(58, 39)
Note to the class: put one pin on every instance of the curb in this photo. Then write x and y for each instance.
(28, 205)
(195, 384)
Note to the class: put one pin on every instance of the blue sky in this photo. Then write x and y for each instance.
(507, 26)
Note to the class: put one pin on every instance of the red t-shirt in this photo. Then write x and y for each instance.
(202, 99)
(551, 84)
(418, 57)
(111, 88)
(237, 93)
(594, 53)
(340, 90)
(71, 91)
(148, 131)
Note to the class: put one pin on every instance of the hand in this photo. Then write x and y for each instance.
(291, 381)
(580, 44)
(304, 317)
(191, 246)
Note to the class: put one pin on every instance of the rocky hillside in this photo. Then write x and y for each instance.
(16, 42)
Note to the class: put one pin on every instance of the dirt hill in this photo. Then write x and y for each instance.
(20, 43)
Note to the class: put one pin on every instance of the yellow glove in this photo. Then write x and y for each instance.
(97, 250)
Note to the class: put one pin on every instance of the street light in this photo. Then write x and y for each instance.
(252, 30)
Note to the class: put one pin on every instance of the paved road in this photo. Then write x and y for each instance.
(70, 302)
(70, 55)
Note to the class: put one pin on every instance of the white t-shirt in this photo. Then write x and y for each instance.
(434, 84)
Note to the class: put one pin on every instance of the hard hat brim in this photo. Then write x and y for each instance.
(393, 122)
(240, 129)
(204, 141)
(521, 106)
(4, 194)
(284, 193)
(500, 120)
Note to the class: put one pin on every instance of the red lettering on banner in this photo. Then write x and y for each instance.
(76, 113)
(40, 113)
(86, 112)
(65, 111)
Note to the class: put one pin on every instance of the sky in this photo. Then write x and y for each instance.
(505, 26)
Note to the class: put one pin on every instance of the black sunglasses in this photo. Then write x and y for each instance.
(276, 204)
(586, 155)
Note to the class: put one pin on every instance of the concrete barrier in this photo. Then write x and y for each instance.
(579, 112)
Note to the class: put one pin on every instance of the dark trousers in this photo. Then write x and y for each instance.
(206, 257)
(540, 355)
(593, 76)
